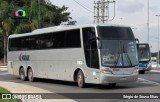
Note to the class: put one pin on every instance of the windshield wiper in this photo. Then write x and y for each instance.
(126, 54)
(129, 60)
(119, 53)
(116, 61)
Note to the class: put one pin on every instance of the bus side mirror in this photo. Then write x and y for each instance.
(95, 40)
(137, 40)
(99, 44)
(98, 38)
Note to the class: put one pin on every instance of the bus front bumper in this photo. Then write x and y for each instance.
(110, 78)
(147, 66)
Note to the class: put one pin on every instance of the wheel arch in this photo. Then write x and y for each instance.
(76, 72)
(29, 67)
(21, 68)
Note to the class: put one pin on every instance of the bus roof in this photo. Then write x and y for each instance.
(61, 28)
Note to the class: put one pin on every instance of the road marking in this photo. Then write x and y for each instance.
(148, 81)
(154, 70)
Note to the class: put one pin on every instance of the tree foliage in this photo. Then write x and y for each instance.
(38, 15)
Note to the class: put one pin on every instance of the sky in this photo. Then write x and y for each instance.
(132, 13)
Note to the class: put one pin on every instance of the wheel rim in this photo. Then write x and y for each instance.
(80, 80)
(22, 74)
(30, 75)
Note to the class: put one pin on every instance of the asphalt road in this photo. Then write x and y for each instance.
(147, 83)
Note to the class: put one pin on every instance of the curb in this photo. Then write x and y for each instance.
(3, 67)
(155, 70)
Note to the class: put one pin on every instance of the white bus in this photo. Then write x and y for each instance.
(96, 53)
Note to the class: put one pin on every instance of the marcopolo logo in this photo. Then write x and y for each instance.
(20, 13)
(24, 57)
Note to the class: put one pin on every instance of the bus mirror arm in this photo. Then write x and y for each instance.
(94, 39)
(98, 38)
(99, 44)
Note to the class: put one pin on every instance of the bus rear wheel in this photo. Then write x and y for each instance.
(30, 75)
(22, 74)
(80, 79)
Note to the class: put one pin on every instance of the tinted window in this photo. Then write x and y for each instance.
(115, 33)
(17, 44)
(30, 42)
(63, 39)
(73, 38)
(90, 47)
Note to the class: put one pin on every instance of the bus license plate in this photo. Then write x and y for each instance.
(123, 78)
(142, 65)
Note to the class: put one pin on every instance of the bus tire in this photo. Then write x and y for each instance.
(112, 85)
(30, 75)
(80, 79)
(141, 71)
(22, 74)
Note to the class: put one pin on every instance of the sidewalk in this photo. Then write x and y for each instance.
(3, 69)
(22, 88)
(156, 68)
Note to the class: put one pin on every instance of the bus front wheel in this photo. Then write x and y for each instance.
(141, 71)
(22, 74)
(30, 75)
(80, 79)
(112, 85)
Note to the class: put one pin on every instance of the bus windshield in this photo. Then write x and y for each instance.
(118, 47)
(143, 52)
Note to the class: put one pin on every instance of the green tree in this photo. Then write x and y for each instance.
(72, 23)
(6, 23)
(43, 14)
(1, 45)
(39, 14)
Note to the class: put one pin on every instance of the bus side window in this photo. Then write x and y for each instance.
(58, 39)
(45, 42)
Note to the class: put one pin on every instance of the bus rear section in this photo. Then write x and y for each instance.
(144, 57)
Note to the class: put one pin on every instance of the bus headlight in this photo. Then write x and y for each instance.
(105, 71)
(149, 64)
(136, 69)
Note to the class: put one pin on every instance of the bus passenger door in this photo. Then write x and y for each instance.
(91, 55)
